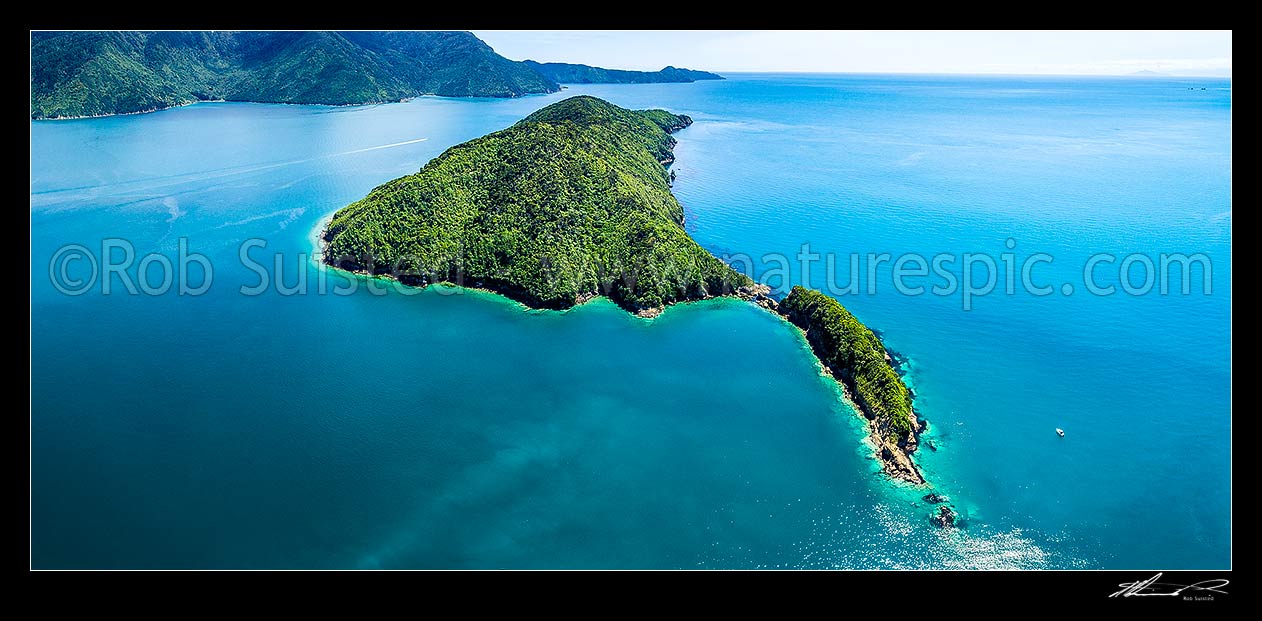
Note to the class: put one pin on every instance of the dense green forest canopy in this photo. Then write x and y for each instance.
(569, 203)
(855, 355)
(77, 74)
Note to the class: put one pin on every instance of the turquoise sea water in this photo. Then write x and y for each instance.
(455, 429)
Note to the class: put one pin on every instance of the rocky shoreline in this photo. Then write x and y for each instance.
(893, 453)
(145, 111)
(508, 290)
(279, 103)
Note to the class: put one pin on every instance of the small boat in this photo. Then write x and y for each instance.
(1060, 432)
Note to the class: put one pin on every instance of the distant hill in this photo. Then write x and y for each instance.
(98, 73)
(566, 73)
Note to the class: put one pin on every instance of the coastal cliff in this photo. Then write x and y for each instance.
(572, 203)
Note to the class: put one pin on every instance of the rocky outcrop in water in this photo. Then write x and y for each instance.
(945, 517)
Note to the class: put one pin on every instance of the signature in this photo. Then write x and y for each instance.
(1152, 588)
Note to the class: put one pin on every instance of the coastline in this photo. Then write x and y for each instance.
(489, 288)
(201, 101)
(283, 103)
(319, 243)
(895, 461)
(146, 111)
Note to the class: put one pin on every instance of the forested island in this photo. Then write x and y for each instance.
(572, 203)
(79, 74)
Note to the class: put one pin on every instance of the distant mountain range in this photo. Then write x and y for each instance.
(76, 74)
(566, 73)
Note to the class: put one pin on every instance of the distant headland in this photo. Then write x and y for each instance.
(88, 74)
(567, 73)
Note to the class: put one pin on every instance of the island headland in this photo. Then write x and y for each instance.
(573, 203)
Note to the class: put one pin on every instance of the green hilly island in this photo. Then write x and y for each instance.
(573, 202)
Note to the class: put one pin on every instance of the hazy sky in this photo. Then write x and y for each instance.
(1201, 53)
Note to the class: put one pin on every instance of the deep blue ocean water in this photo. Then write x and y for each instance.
(455, 429)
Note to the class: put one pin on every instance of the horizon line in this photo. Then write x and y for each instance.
(956, 73)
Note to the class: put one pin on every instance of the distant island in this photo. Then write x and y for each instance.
(573, 203)
(566, 73)
(83, 74)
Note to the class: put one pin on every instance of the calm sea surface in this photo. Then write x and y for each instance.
(456, 429)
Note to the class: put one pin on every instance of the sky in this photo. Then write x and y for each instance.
(1089, 52)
